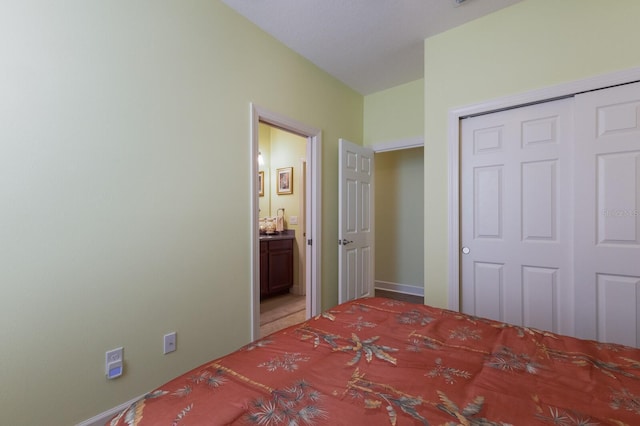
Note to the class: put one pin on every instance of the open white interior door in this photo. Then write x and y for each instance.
(355, 238)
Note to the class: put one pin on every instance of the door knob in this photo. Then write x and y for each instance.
(465, 250)
(344, 242)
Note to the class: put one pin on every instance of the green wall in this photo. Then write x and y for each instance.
(530, 45)
(390, 115)
(394, 114)
(125, 176)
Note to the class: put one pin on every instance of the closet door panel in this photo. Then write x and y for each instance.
(607, 219)
(515, 216)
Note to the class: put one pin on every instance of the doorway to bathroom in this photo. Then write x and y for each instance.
(286, 217)
(281, 194)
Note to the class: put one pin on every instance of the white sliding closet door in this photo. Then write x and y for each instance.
(550, 215)
(516, 200)
(607, 220)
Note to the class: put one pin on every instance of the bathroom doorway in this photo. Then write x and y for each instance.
(289, 180)
(281, 195)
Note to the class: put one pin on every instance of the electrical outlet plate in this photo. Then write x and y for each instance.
(114, 355)
(113, 363)
(169, 343)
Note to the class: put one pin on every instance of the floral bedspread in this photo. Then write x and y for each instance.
(382, 362)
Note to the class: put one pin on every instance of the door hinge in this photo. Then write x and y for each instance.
(309, 242)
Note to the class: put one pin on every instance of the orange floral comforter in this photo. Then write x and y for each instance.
(383, 362)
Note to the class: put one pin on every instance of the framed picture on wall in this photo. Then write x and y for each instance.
(285, 180)
(261, 184)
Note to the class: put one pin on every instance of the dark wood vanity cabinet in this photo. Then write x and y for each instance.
(276, 266)
(264, 269)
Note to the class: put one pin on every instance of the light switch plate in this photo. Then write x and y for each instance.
(169, 343)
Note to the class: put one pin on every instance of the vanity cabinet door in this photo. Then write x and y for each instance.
(280, 266)
(264, 269)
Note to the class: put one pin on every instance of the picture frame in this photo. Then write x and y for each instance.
(284, 178)
(261, 184)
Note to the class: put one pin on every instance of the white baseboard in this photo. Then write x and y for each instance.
(399, 288)
(102, 418)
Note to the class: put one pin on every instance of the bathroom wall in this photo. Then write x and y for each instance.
(264, 147)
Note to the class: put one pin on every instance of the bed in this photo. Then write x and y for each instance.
(377, 361)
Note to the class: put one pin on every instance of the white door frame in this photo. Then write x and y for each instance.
(313, 213)
(514, 101)
(397, 144)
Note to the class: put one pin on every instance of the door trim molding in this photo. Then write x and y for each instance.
(397, 144)
(313, 214)
(550, 93)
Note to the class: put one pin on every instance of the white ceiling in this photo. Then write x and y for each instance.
(370, 45)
